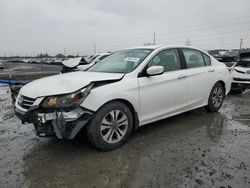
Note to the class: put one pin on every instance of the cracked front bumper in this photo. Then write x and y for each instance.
(62, 124)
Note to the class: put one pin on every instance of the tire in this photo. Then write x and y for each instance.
(216, 98)
(108, 133)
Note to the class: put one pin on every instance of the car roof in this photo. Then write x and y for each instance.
(103, 53)
(154, 47)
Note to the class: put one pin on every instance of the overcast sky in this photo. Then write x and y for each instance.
(33, 26)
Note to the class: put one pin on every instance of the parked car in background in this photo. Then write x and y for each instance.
(71, 65)
(93, 60)
(241, 73)
(81, 63)
(128, 89)
(218, 54)
(230, 57)
(1, 65)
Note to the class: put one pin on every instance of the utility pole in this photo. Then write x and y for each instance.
(188, 42)
(154, 37)
(64, 51)
(94, 48)
(241, 42)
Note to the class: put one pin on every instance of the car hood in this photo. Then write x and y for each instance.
(71, 63)
(65, 83)
(243, 69)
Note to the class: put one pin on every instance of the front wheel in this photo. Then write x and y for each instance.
(111, 126)
(216, 98)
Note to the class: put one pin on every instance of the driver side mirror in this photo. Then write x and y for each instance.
(155, 70)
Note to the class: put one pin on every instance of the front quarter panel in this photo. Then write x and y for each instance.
(125, 89)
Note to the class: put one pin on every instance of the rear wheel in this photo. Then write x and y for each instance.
(111, 126)
(216, 98)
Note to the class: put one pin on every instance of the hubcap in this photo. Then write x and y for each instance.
(114, 126)
(217, 98)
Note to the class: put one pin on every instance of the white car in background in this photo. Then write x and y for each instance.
(95, 59)
(1, 65)
(241, 73)
(82, 64)
(128, 89)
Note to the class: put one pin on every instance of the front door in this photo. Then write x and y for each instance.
(164, 94)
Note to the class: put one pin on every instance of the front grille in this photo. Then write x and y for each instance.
(25, 102)
(242, 79)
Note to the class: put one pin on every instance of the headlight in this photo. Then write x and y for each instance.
(68, 100)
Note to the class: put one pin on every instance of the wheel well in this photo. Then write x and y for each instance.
(132, 109)
(223, 84)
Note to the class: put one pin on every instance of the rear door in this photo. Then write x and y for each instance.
(164, 94)
(200, 76)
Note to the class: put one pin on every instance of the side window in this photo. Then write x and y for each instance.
(207, 59)
(169, 59)
(193, 58)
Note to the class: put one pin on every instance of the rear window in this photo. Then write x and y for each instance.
(193, 58)
(243, 62)
(206, 59)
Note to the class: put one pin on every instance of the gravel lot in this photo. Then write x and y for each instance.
(26, 71)
(195, 149)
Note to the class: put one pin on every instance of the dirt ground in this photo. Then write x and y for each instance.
(195, 149)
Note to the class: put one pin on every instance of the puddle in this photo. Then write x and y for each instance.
(190, 150)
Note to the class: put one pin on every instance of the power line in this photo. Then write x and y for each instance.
(177, 37)
(218, 34)
(162, 35)
(181, 27)
(202, 37)
(227, 39)
(181, 30)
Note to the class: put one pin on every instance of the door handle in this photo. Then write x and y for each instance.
(211, 70)
(182, 76)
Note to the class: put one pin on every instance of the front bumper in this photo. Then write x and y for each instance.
(62, 124)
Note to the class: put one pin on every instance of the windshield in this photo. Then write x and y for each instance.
(124, 61)
(232, 53)
(244, 62)
(92, 58)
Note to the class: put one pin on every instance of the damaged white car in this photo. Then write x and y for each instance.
(82, 64)
(241, 73)
(95, 59)
(1, 65)
(128, 89)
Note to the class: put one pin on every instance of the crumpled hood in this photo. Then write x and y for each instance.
(71, 63)
(64, 83)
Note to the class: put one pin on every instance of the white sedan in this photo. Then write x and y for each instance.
(128, 89)
(241, 73)
(95, 59)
